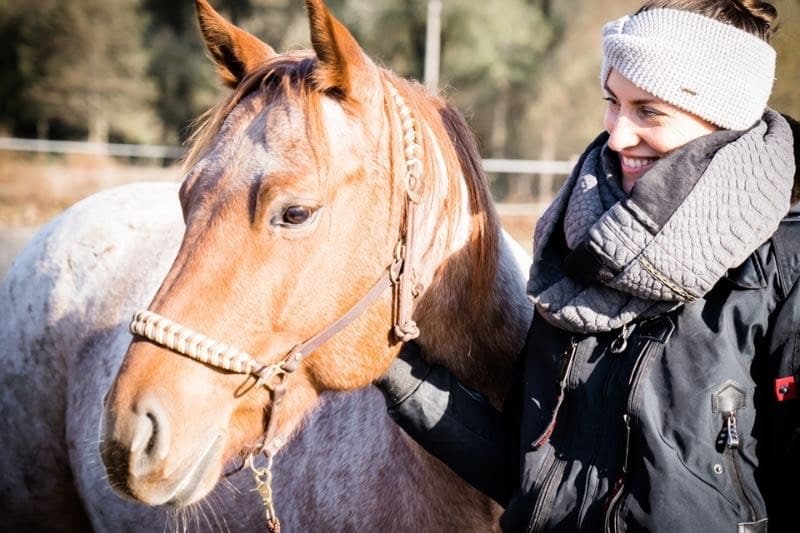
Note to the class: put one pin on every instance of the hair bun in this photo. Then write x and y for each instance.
(763, 16)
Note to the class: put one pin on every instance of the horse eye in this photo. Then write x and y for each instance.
(296, 214)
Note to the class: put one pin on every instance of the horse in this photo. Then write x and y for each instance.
(320, 179)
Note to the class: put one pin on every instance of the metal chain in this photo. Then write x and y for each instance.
(263, 478)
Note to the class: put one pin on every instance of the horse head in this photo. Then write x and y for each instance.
(320, 179)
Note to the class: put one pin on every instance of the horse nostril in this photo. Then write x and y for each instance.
(151, 434)
(151, 444)
(144, 434)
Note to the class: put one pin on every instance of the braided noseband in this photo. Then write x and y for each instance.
(401, 275)
(190, 343)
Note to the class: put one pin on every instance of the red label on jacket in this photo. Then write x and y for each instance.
(785, 388)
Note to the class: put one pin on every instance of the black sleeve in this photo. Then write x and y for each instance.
(780, 459)
(453, 423)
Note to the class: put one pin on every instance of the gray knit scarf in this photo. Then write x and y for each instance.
(603, 258)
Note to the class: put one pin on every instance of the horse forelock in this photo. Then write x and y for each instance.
(284, 76)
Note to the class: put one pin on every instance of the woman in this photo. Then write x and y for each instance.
(656, 385)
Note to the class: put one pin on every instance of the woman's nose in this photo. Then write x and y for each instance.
(623, 133)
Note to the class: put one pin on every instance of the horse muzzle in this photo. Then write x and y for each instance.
(137, 448)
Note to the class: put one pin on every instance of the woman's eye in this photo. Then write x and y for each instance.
(649, 113)
(296, 214)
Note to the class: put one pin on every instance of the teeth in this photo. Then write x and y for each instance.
(637, 162)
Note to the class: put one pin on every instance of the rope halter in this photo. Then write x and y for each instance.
(163, 331)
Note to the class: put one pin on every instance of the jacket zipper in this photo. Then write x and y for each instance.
(611, 519)
(544, 499)
(634, 383)
(732, 443)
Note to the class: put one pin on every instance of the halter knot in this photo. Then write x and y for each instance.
(407, 331)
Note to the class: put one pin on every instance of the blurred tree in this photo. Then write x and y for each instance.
(184, 81)
(20, 24)
(490, 53)
(523, 71)
(280, 23)
(495, 49)
(786, 96)
(84, 62)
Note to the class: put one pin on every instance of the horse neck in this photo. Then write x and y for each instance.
(476, 332)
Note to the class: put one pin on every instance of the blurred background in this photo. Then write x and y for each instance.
(134, 72)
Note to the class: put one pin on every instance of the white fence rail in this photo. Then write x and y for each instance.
(527, 166)
(77, 147)
(500, 166)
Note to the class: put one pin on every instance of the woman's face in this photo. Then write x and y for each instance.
(644, 128)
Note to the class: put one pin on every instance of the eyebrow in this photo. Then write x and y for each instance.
(640, 101)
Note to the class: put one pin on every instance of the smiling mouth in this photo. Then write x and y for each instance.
(636, 165)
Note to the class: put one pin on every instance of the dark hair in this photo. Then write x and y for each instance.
(752, 16)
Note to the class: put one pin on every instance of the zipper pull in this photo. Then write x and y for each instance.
(732, 432)
(566, 363)
(627, 420)
(619, 344)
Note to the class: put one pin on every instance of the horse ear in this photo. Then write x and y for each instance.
(235, 51)
(342, 64)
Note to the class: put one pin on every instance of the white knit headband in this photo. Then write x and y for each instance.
(711, 69)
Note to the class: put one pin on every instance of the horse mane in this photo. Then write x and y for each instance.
(292, 75)
(458, 149)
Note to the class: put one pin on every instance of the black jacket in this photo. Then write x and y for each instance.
(688, 424)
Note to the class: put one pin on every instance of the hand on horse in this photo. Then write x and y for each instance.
(404, 375)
